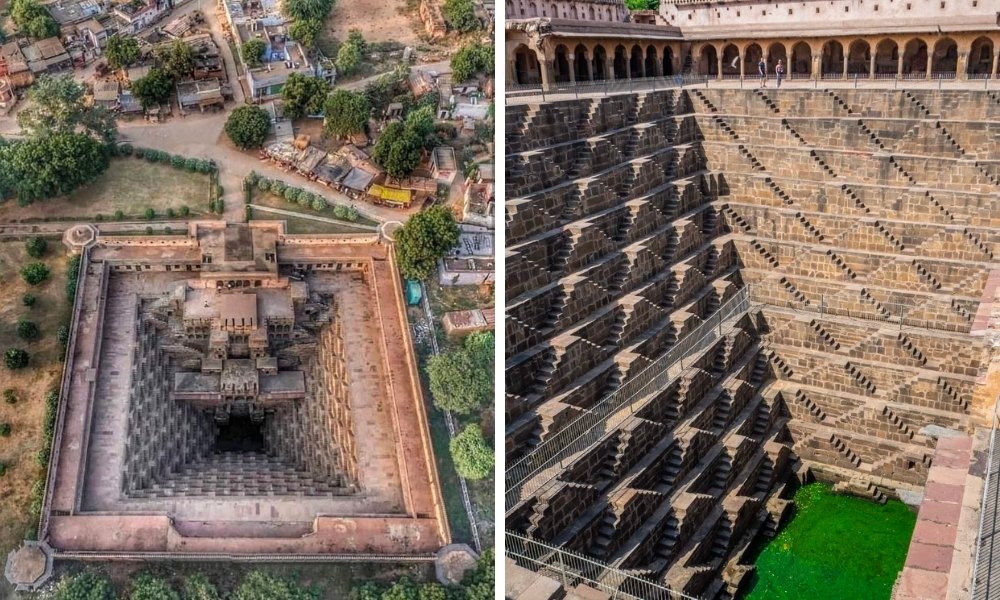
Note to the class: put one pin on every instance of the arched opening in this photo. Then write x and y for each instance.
(635, 65)
(608, 13)
(532, 9)
(833, 60)
(510, 9)
(554, 10)
(751, 56)
(576, 12)
(560, 65)
(651, 62)
(591, 13)
(600, 59)
(668, 62)
(801, 59)
(730, 60)
(775, 53)
(886, 58)
(944, 63)
(580, 63)
(708, 61)
(915, 57)
(526, 68)
(980, 57)
(859, 58)
(621, 63)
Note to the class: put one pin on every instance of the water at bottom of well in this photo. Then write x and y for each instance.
(837, 547)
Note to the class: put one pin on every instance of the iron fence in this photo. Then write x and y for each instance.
(546, 461)
(984, 580)
(572, 569)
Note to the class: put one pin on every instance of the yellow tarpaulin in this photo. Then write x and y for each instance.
(388, 194)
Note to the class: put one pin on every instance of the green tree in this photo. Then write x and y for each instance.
(461, 15)
(153, 89)
(346, 112)
(122, 51)
(177, 59)
(56, 105)
(432, 591)
(262, 586)
(306, 31)
(643, 4)
(147, 587)
(404, 589)
(480, 584)
(424, 239)
(27, 330)
(44, 167)
(461, 380)
(471, 453)
(34, 273)
(198, 587)
(247, 126)
(303, 95)
(420, 125)
(33, 19)
(385, 87)
(36, 246)
(471, 59)
(399, 147)
(84, 586)
(253, 53)
(351, 53)
(29, 299)
(15, 358)
(302, 10)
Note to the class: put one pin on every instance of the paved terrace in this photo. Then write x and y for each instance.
(399, 509)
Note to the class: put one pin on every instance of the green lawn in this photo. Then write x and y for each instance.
(130, 185)
(300, 225)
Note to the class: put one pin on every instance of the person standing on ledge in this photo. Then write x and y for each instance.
(779, 72)
(762, 69)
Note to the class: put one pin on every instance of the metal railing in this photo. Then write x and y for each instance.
(986, 542)
(572, 569)
(605, 86)
(548, 459)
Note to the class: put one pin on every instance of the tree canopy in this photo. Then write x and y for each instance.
(262, 586)
(643, 4)
(346, 112)
(253, 53)
(247, 126)
(306, 31)
(351, 53)
(56, 105)
(15, 358)
(461, 380)
(33, 19)
(303, 95)
(147, 587)
(153, 89)
(39, 168)
(461, 15)
(471, 59)
(84, 586)
(400, 145)
(198, 587)
(122, 51)
(471, 453)
(177, 59)
(425, 238)
(36, 246)
(301, 10)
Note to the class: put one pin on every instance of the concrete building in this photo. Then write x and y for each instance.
(282, 57)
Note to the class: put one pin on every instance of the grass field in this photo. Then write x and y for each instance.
(30, 384)
(301, 225)
(129, 185)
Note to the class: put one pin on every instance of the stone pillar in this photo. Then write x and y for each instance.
(571, 60)
(817, 70)
(899, 66)
(657, 65)
(545, 65)
(846, 55)
(718, 73)
(609, 68)
(930, 60)
(742, 65)
(871, 66)
(590, 67)
(510, 68)
(962, 66)
(993, 69)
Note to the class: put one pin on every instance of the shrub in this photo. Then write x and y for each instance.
(10, 396)
(4, 429)
(62, 335)
(3, 469)
(15, 358)
(171, 213)
(318, 203)
(198, 587)
(178, 162)
(98, 217)
(149, 230)
(84, 586)
(340, 211)
(192, 165)
(304, 198)
(147, 587)
(185, 211)
(35, 273)
(72, 276)
(27, 330)
(36, 246)
(291, 194)
(28, 299)
(351, 214)
(472, 454)
(119, 215)
(125, 149)
(149, 213)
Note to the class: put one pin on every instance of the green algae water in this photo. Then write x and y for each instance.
(836, 547)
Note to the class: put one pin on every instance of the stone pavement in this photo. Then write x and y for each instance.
(933, 549)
